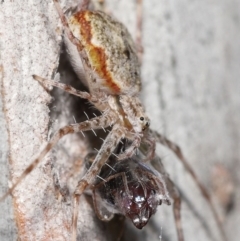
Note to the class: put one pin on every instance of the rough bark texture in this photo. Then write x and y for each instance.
(190, 89)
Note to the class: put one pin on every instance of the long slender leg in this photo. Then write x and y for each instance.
(65, 24)
(176, 149)
(130, 150)
(95, 123)
(135, 144)
(173, 192)
(65, 87)
(106, 150)
(71, 37)
(152, 147)
(176, 208)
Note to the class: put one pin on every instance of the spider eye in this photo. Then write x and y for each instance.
(141, 118)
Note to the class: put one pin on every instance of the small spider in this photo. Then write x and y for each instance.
(135, 189)
(112, 75)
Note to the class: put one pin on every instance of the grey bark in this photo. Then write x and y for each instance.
(190, 76)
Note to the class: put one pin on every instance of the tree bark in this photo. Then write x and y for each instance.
(190, 76)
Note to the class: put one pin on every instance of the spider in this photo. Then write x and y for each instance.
(118, 101)
(135, 189)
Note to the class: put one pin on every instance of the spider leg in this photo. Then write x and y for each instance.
(75, 41)
(130, 150)
(166, 182)
(94, 123)
(106, 150)
(136, 143)
(176, 208)
(65, 87)
(65, 23)
(152, 147)
(176, 149)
